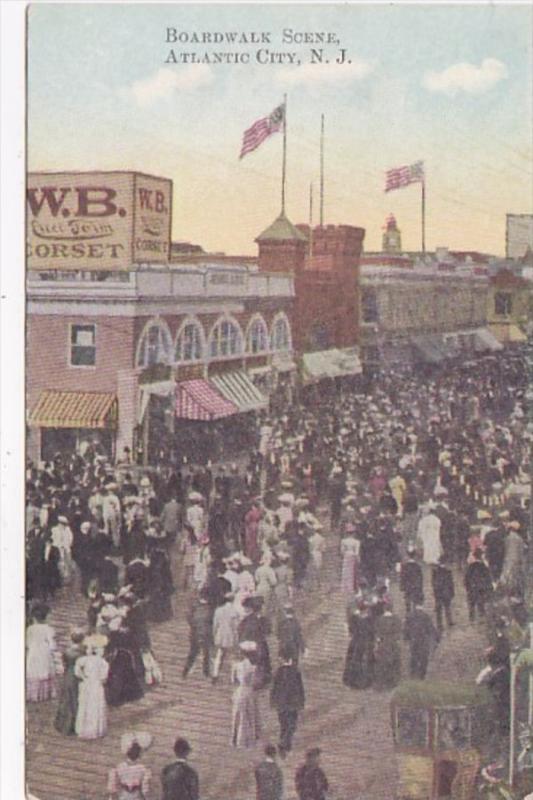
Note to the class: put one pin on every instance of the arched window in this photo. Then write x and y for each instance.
(155, 345)
(190, 341)
(257, 335)
(225, 339)
(281, 333)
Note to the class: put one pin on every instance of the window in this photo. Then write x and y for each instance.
(369, 305)
(225, 340)
(257, 341)
(319, 338)
(155, 346)
(412, 727)
(189, 344)
(281, 334)
(503, 304)
(83, 345)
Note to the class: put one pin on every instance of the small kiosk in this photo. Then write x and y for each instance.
(440, 730)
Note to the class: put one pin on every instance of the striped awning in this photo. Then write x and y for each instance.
(56, 409)
(239, 390)
(198, 400)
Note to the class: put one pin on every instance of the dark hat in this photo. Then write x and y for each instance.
(314, 752)
(182, 747)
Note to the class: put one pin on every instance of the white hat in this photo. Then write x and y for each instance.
(143, 739)
(95, 641)
(285, 498)
(63, 519)
(195, 497)
(248, 647)
(85, 526)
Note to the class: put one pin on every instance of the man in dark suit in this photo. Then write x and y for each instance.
(310, 779)
(287, 696)
(200, 620)
(443, 591)
(179, 780)
(289, 632)
(268, 777)
(411, 581)
(423, 637)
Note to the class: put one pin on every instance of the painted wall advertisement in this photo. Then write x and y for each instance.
(97, 220)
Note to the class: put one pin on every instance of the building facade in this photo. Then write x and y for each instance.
(417, 311)
(98, 351)
(130, 339)
(324, 261)
(509, 306)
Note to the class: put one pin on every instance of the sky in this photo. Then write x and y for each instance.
(449, 85)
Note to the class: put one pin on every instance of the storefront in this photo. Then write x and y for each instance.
(69, 422)
(330, 372)
(196, 419)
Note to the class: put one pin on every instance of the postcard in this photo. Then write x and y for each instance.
(277, 299)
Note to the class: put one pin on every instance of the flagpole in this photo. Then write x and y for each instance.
(424, 216)
(284, 159)
(322, 171)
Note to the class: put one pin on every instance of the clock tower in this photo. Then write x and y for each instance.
(392, 237)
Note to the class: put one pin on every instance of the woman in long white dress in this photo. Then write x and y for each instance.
(40, 662)
(246, 726)
(266, 580)
(350, 547)
(92, 670)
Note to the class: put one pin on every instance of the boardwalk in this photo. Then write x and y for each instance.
(353, 728)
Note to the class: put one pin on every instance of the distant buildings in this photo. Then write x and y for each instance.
(422, 309)
(518, 235)
(140, 343)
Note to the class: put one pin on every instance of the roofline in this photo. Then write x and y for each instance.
(100, 172)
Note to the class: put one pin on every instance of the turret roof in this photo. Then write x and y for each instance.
(281, 230)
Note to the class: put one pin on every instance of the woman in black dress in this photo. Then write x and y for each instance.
(67, 708)
(359, 664)
(123, 683)
(160, 587)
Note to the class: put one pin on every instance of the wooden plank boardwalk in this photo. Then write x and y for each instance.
(352, 728)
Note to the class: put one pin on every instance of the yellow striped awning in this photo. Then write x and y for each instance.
(74, 410)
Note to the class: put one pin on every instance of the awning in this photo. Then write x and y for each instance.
(259, 371)
(239, 390)
(348, 361)
(331, 363)
(198, 400)
(508, 333)
(485, 340)
(430, 348)
(74, 410)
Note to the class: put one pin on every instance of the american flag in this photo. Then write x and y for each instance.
(262, 129)
(399, 177)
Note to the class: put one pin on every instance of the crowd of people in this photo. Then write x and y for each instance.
(422, 482)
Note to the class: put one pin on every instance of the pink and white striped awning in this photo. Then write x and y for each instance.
(198, 400)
